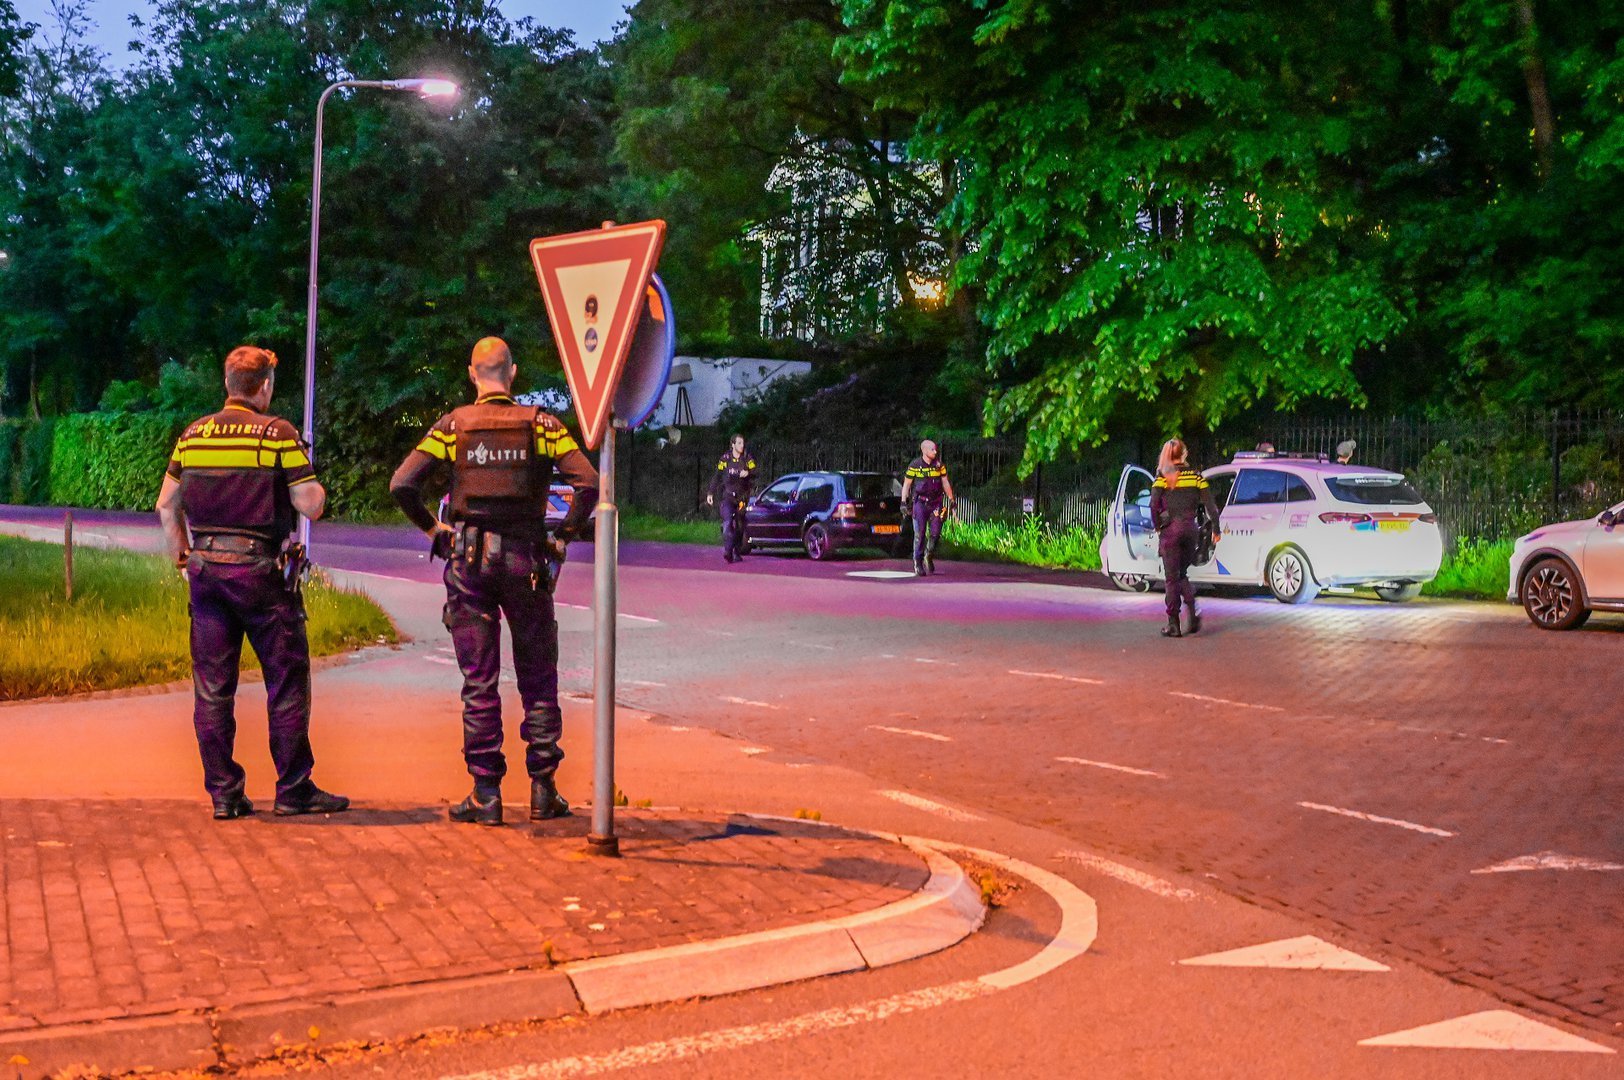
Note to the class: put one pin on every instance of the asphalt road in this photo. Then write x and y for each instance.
(1356, 770)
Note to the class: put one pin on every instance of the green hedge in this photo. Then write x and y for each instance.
(26, 447)
(111, 461)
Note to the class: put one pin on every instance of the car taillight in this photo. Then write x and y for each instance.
(845, 512)
(1335, 517)
(1430, 519)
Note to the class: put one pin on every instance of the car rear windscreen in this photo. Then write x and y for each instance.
(865, 488)
(1373, 490)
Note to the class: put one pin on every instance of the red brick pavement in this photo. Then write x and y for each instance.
(144, 907)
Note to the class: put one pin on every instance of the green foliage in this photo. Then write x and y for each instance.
(639, 525)
(37, 445)
(1032, 541)
(12, 35)
(1475, 569)
(11, 445)
(112, 461)
(127, 624)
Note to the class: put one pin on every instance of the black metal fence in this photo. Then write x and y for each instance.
(1488, 477)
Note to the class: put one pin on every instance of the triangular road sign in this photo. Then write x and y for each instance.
(1301, 953)
(594, 284)
(1494, 1029)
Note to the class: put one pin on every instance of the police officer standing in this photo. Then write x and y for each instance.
(1177, 493)
(500, 563)
(734, 477)
(236, 478)
(927, 496)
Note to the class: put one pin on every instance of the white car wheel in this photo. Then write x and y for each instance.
(1289, 577)
(1138, 583)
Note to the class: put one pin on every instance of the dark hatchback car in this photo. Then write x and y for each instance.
(825, 511)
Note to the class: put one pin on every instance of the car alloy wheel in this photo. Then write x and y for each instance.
(1550, 596)
(1289, 578)
(1138, 583)
(817, 542)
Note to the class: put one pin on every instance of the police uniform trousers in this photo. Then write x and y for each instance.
(228, 601)
(1177, 545)
(732, 509)
(927, 520)
(477, 598)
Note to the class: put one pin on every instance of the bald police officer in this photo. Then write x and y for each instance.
(502, 457)
(927, 495)
(236, 479)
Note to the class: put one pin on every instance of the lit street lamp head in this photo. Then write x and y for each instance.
(429, 88)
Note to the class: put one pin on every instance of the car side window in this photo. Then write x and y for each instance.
(815, 495)
(1221, 484)
(780, 494)
(1259, 487)
(1297, 489)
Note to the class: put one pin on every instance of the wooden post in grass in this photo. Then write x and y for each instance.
(67, 552)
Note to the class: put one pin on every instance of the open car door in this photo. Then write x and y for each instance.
(1128, 551)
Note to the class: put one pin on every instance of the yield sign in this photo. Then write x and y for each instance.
(594, 285)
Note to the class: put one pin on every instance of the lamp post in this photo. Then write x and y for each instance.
(427, 88)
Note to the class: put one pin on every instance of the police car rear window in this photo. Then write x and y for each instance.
(1373, 490)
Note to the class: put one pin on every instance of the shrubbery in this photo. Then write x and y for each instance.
(112, 461)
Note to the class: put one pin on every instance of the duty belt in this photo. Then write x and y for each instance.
(231, 548)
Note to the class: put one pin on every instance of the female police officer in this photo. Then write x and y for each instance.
(1178, 492)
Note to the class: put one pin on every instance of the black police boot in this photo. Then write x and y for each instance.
(1172, 627)
(919, 566)
(1195, 620)
(232, 806)
(545, 801)
(317, 802)
(479, 808)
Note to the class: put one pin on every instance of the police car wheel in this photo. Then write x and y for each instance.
(817, 543)
(1551, 597)
(1398, 594)
(1289, 577)
(1138, 583)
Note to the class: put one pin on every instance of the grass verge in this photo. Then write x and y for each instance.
(127, 624)
(639, 525)
(1031, 541)
(1474, 569)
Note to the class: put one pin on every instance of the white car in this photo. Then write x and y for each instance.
(1561, 573)
(1295, 524)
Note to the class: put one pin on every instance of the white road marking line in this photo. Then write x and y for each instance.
(1113, 768)
(881, 575)
(644, 682)
(752, 704)
(1129, 876)
(1225, 701)
(813, 645)
(1548, 860)
(755, 750)
(1062, 678)
(1377, 818)
(928, 660)
(1306, 953)
(911, 731)
(620, 614)
(919, 802)
(1079, 923)
(1454, 734)
(441, 660)
(1492, 1029)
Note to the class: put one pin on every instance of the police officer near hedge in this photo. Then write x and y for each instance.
(500, 563)
(927, 496)
(1176, 495)
(236, 479)
(734, 477)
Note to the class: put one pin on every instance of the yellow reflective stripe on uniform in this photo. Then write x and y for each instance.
(556, 444)
(301, 480)
(439, 445)
(721, 466)
(198, 458)
(295, 459)
(751, 464)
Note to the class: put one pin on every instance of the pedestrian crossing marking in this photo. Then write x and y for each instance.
(1306, 953)
(1493, 1029)
(884, 575)
(1548, 860)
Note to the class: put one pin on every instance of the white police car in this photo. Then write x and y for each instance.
(1561, 573)
(1294, 524)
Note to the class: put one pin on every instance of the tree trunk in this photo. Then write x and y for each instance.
(1539, 95)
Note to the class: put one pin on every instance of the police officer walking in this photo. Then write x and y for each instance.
(500, 563)
(1176, 495)
(927, 496)
(236, 479)
(734, 477)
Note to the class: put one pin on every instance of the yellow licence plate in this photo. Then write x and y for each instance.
(1393, 526)
(884, 530)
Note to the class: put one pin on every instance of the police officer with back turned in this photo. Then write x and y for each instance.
(735, 473)
(1176, 495)
(500, 563)
(237, 477)
(927, 495)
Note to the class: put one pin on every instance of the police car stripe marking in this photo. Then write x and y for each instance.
(1062, 678)
(1360, 815)
(1225, 701)
(1114, 768)
(911, 731)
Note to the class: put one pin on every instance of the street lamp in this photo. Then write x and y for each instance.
(425, 88)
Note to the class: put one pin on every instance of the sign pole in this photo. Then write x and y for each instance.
(605, 566)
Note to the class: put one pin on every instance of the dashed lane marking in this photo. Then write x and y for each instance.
(1079, 923)
(1114, 768)
(440, 660)
(1306, 953)
(929, 660)
(643, 682)
(1455, 734)
(618, 614)
(881, 575)
(1225, 701)
(1493, 1029)
(1129, 876)
(919, 802)
(1061, 678)
(813, 645)
(911, 731)
(1376, 818)
(752, 704)
(1548, 860)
